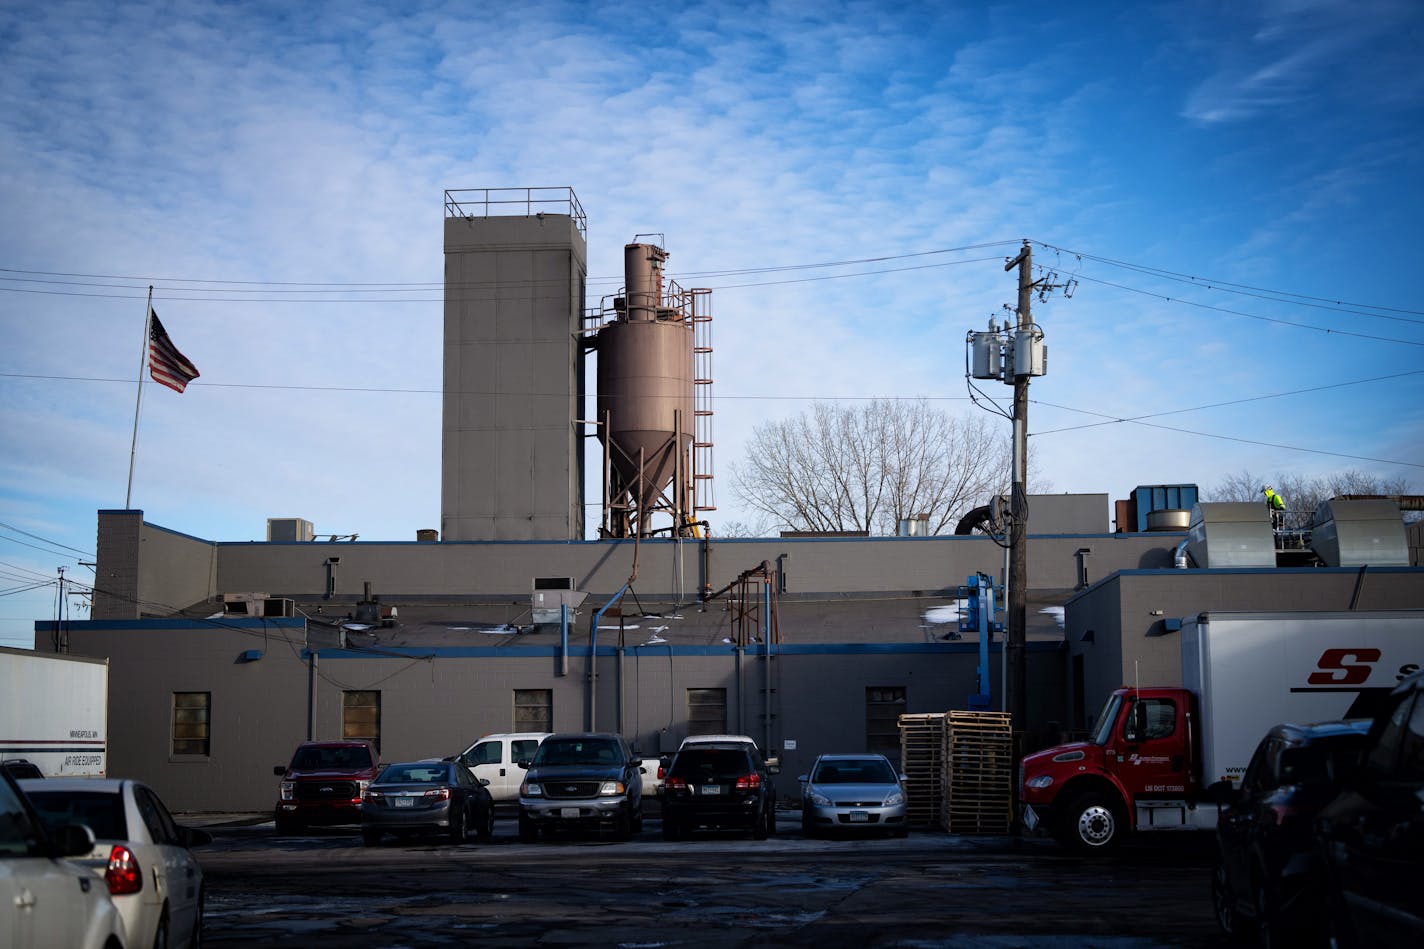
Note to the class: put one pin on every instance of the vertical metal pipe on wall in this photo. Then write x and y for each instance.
(766, 653)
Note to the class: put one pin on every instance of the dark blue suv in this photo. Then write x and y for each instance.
(1266, 878)
(1371, 837)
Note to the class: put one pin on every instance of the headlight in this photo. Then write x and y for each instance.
(287, 788)
(819, 799)
(610, 789)
(1039, 782)
(893, 799)
(531, 790)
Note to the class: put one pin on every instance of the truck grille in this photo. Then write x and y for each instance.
(326, 790)
(570, 790)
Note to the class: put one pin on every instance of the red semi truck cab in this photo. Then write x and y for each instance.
(1138, 769)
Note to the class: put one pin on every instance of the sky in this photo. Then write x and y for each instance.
(1227, 195)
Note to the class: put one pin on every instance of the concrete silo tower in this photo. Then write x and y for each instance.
(653, 403)
(515, 271)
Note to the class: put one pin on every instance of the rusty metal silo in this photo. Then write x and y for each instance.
(645, 399)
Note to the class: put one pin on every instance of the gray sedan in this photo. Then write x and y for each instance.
(853, 793)
(427, 796)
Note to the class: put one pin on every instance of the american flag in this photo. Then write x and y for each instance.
(166, 364)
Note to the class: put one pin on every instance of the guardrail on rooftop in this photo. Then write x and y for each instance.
(515, 202)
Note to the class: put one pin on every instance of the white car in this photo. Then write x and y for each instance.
(44, 899)
(140, 853)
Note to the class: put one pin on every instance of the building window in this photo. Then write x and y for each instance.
(191, 734)
(706, 711)
(884, 704)
(361, 716)
(533, 710)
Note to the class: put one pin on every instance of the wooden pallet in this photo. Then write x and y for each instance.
(922, 762)
(978, 762)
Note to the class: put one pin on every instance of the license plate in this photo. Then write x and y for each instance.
(859, 817)
(403, 802)
(568, 812)
(711, 789)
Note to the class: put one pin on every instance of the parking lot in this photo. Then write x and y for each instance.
(326, 889)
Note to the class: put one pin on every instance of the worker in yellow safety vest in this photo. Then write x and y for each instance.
(1276, 506)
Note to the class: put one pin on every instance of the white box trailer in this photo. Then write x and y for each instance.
(54, 712)
(1252, 671)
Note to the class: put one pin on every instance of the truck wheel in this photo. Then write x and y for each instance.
(528, 832)
(671, 830)
(1093, 823)
(623, 826)
(286, 826)
(1223, 902)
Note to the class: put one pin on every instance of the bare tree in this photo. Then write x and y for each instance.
(866, 467)
(1303, 495)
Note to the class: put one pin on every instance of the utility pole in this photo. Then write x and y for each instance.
(1015, 648)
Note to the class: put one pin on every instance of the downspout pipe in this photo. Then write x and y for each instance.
(593, 655)
(563, 639)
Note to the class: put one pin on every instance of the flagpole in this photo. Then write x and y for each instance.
(138, 401)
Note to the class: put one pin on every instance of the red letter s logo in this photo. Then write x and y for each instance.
(1337, 672)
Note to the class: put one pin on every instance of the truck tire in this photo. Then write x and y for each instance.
(1093, 823)
(528, 831)
(286, 826)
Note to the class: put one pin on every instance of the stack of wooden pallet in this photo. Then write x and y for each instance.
(978, 773)
(922, 762)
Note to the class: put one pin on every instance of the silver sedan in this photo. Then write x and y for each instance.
(853, 793)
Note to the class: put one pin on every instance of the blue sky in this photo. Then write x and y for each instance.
(257, 161)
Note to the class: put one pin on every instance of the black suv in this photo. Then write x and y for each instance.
(719, 784)
(1371, 837)
(1265, 869)
(583, 779)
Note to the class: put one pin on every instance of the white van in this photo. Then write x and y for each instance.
(495, 757)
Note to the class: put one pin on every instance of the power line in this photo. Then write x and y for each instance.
(1112, 419)
(1283, 296)
(45, 540)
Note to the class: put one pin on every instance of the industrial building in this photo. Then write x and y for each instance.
(224, 655)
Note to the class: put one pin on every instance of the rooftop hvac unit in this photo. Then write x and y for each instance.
(286, 530)
(1231, 534)
(1359, 533)
(256, 605)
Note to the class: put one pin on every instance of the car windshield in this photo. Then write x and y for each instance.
(1102, 728)
(414, 774)
(578, 751)
(337, 759)
(854, 771)
(1320, 759)
(18, 835)
(704, 765)
(102, 811)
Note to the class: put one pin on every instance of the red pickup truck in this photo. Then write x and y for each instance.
(324, 783)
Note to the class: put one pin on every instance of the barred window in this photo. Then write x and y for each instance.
(191, 722)
(533, 710)
(884, 704)
(706, 711)
(361, 716)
